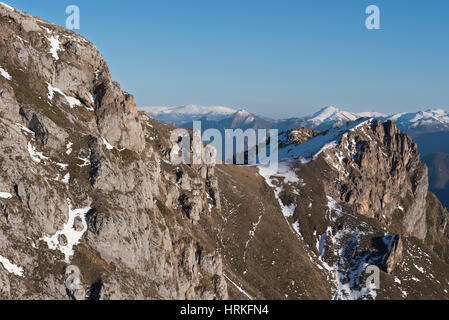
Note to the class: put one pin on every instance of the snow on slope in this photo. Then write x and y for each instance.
(324, 119)
(71, 235)
(11, 267)
(428, 118)
(5, 195)
(190, 109)
(73, 102)
(331, 113)
(331, 116)
(178, 115)
(5, 74)
(312, 148)
(272, 174)
(346, 271)
(55, 46)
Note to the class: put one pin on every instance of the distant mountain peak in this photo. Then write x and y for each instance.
(182, 114)
(429, 120)
(243, 112)
(189, 109)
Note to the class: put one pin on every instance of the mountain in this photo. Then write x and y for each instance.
(329, 117)
(370, 206)
(222, 118)
(422, 122)
(416, 124)
(240, 120)
(93, 205)
(90, 206)
(430, 128)
(181, 115)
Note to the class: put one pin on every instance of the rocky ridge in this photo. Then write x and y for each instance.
(371, 206)
(93, 196)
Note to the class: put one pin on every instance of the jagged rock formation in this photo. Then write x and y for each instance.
(380, 171)
(71, 138)
(395, 255)
(370, 206)
(300, 135)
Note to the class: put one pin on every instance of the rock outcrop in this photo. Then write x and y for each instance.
(358, 195)
(394, 254)
(90, 180)
(379, 171)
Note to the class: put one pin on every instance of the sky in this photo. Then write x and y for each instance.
(275, 58)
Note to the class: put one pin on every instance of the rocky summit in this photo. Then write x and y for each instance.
(91, 206)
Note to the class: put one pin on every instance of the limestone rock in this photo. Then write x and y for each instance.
(395, 255)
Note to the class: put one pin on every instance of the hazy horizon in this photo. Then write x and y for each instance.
(237, 108)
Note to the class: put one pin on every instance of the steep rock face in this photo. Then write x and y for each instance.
(395, 254)
(88, 192)
(356, 197)
(381, 172)
(300, 135)
(117, 116)
(69, 64)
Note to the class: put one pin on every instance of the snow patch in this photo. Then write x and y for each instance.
(66, 179)
(5, 195)
(69, 148)
(72, 236)
(36, 156)
(11, 267)
(86, 161)
(107, 144)
(5, 74)
(73, 102)
(419, 269)
(55, 46)
(271, 173)
(23, 128)
(334, 208)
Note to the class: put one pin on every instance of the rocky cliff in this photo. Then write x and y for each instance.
(357, 196)
(88, 193)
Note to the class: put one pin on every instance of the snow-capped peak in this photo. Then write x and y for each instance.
(187, 114)
(189, 110)
(243, 113)
(431, 119)
(332, 113)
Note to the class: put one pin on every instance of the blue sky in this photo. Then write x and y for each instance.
(276, 58)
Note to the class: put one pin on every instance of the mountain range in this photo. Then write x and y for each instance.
(93, 207)
(414, 123)
(429, 128)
